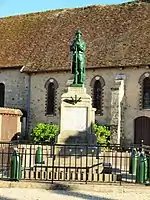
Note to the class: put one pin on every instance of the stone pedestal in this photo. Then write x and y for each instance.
(9, 123)
(77, 117)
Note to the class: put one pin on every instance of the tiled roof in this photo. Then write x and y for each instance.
(115, 35)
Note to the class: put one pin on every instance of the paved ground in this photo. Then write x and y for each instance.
(42, 194)
(29, 190)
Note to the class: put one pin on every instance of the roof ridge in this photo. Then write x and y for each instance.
(54, 11)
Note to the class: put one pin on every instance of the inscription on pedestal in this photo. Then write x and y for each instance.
(75, 119)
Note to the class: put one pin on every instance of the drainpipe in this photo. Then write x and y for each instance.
(28, 106)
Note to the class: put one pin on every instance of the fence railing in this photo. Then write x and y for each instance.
(76, 163)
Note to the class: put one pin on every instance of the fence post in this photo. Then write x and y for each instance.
(134, 161)
(141, 176)
(38, 156)
(87, 170)
(53, 154)
(148, 165)
(15, 171)
(142, 142)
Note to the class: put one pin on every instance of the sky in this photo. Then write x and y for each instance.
(15, 7)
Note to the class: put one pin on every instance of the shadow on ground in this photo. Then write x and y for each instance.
(68, 191)
(5, 198)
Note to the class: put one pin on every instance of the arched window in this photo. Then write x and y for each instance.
(145, 90)
(97, 99)
(2, 94)
(146, 93)
(97, 85)
(51, 87)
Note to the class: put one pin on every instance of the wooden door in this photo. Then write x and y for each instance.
(142, 130)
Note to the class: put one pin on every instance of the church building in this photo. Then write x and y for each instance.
(35, 65)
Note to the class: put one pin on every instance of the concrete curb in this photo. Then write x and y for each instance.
(75, 186)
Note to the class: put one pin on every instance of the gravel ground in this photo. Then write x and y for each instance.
(41, 194)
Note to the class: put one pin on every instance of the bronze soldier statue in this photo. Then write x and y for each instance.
(78, 48)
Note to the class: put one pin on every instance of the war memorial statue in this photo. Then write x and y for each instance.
(78, 48)
(77, 113)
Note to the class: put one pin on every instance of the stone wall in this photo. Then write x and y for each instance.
(16, 85)
(132, 96)
(15, 88)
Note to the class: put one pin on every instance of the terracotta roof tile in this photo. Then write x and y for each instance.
(116, 35)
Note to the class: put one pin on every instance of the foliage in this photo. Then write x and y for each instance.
(45, 132)
(102, 133)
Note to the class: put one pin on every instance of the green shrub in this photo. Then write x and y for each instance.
(45, 132)
(102, 133)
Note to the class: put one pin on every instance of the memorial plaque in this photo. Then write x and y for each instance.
(75, 119)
